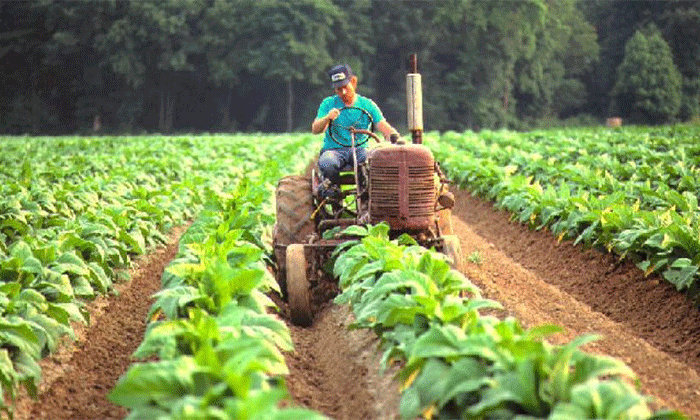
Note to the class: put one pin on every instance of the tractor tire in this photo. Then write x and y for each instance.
(293, 226)
(453, 250)
(298, 286)
(445, 222)
(294, 209)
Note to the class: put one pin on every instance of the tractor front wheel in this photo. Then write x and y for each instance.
(298, 286)
(453, 250)
(294, 223)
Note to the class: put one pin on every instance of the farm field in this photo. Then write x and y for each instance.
(537, 278)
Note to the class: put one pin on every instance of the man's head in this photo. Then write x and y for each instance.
(344, 82)
(340, 75)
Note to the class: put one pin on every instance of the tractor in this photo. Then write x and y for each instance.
(399, 184)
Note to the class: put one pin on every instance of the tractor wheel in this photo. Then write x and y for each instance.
(453, 250)
(445, 222)
(294, 209)
(298, 286)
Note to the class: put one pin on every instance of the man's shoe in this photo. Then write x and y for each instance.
(329, 190)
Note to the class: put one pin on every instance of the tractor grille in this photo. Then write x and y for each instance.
(384, 190)
(421, 192)
(402, 188)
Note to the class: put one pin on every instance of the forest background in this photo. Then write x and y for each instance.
(260, 65)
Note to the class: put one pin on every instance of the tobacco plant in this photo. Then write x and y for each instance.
(631, 191)
(218, 347)
(75, 211)
(455, 362)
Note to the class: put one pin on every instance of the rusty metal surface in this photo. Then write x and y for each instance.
(402, 187)
(416, 134)
(321, 244)
(328, 224)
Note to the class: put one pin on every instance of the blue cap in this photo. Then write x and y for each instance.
(340, 75)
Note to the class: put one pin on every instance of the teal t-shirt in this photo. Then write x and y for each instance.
(347, 118)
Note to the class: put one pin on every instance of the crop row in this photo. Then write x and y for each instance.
(632, 191)
(74, 211)
(218, 347)
(459, 364)
(217, 343)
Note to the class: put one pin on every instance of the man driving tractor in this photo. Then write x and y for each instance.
(344, 109)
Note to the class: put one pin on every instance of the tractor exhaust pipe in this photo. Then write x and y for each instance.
(414, 99)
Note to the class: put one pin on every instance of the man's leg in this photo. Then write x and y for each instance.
(361, 153)
(329, 163)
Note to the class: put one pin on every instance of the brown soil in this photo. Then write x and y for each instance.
(539, 280)
(77, 379)
(337, 372)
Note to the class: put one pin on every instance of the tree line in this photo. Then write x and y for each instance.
(120, 66)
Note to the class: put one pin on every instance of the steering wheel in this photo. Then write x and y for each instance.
(352, 122)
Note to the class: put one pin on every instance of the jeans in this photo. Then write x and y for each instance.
(333, 161)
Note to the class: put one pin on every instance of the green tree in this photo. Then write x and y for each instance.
(25, 94)
(549, 78)
(617, 21)
(156, 46)
(289, 44)
(648, 87)
(681, 28)
(399, 30)
(224, 42)
(80, 75)
(479, 45)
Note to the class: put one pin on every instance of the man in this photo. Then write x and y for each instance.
(336, 156)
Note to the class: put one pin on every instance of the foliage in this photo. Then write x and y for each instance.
(218, 347)
(260, 65)
(648, 87)
(616, 23)
(76, 210)
(457, 363)
(631, 191)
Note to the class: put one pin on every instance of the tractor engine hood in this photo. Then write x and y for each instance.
(402, 186)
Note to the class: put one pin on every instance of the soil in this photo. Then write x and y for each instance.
(77, 378)
(642, 320)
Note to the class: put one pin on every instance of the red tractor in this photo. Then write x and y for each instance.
(400, 184)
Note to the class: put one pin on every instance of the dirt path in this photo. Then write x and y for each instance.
(336, 371)
(77, 379)
(644, 322)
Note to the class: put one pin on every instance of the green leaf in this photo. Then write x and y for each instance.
(17, 333)
(449, 341)
(155, 383)
(82, 287)
(173, 300)
(70, 263)
(681, 273)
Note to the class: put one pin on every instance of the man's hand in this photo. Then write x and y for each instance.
(320, 124)
(332, 114)
(386, 129)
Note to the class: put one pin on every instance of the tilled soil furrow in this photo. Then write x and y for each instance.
(540, 280)
(81, 375)
(336, 372)
(648, 305)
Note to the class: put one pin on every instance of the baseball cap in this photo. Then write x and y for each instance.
(340, 75)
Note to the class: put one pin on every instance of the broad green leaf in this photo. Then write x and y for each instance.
(155, 383)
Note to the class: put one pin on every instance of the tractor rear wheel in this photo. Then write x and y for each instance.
(294, 209)
(298, 286)
(453, 250)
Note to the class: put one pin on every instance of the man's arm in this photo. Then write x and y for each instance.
(386, 129)
(319, 125)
